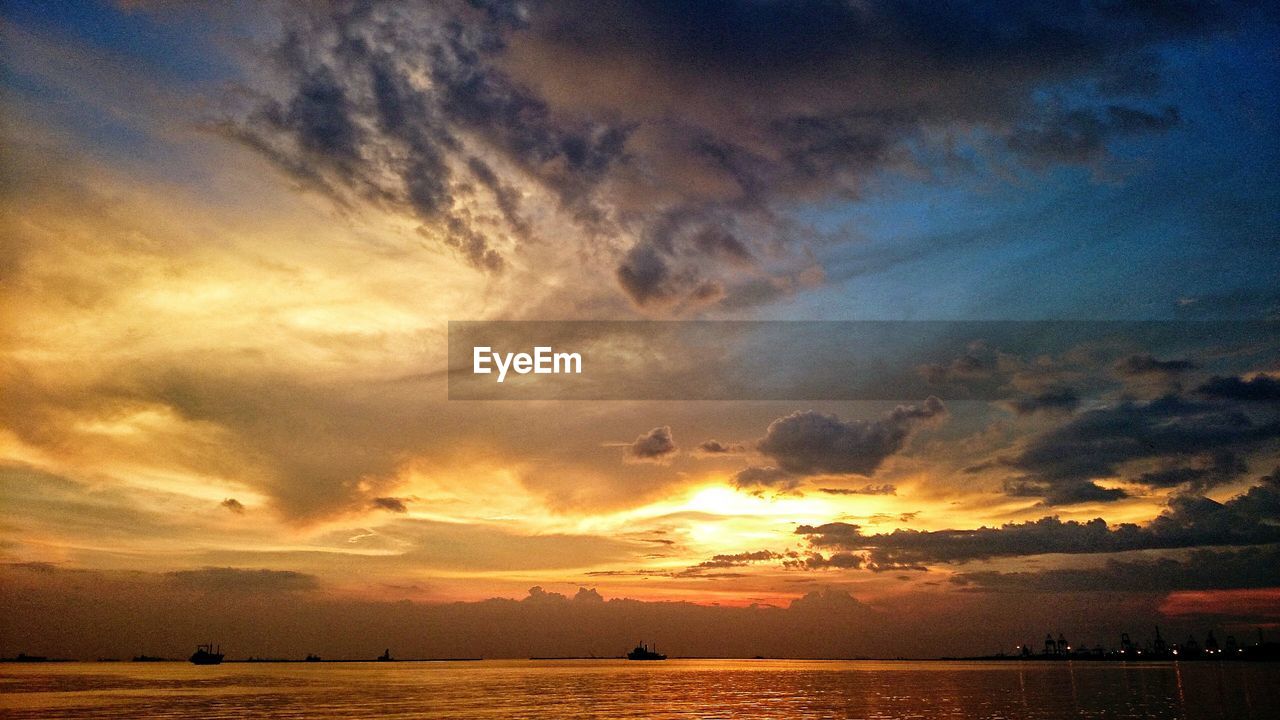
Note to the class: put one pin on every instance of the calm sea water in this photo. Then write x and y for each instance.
(621, 689)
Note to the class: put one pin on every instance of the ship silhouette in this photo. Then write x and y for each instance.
(643, 652)
(206, 655)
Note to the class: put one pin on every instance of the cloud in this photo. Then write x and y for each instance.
(1056, 399)
(979, 362)
(1145, 364)
(1211, 471)
(817, 561)
(1253, 567)
(399, 107)
(452, 113)
(808, 443)
(390, 504)
(1063, 463)
(233, 505)
(738, 559)
(38, 503)
(1251, 518)
(882, 489)
(832, 601)
(1063, 493)
(1261, 388)
(729, 560)
(549, 621)
(715, 447)
(230, 579)
(655, 446)
(765, 477)
(645, 276)
(1081, 135)
(538, 595)
(401, 541)
(833, 534)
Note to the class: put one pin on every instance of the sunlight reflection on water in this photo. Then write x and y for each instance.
(621, 689)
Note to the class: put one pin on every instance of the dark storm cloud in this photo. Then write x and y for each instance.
(882, 489)
(808, 443)
(738, 559)
(644, 274)
(506, 196)
(233, 505)
(765, 477)
(1070, 492)
(834, 534)
(715, 447)
(657, 445)
(229, 579)
(817, 561)
(977, 363)
(382, 102)
(1081, 136)
(1252, 518)
(1253, 567)
(390, 504)
(1056, 399)
(631, 115)
(738, 45)
(1063, 464)
(1216, 469)
(1261, 388)
(1146, 364)
(716, 243)
(840, 90)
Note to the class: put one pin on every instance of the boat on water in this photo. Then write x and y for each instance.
(207, 655)
(385, 656)
(644, 652)
(312, 658)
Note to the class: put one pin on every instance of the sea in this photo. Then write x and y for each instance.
(790, 689)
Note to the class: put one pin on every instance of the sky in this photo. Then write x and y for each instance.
(233, 237)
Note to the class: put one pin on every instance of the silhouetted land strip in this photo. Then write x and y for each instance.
(25, 658)
(356, 660)
(580, 657)
(1131, 649)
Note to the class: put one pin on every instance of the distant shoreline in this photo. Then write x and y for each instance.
(980, 658)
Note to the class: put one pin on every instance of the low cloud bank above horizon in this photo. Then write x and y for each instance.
(543, 623)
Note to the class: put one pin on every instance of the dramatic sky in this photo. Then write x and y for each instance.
(232, 237)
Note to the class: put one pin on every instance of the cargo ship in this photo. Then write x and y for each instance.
(643, 652)
(206, 655)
